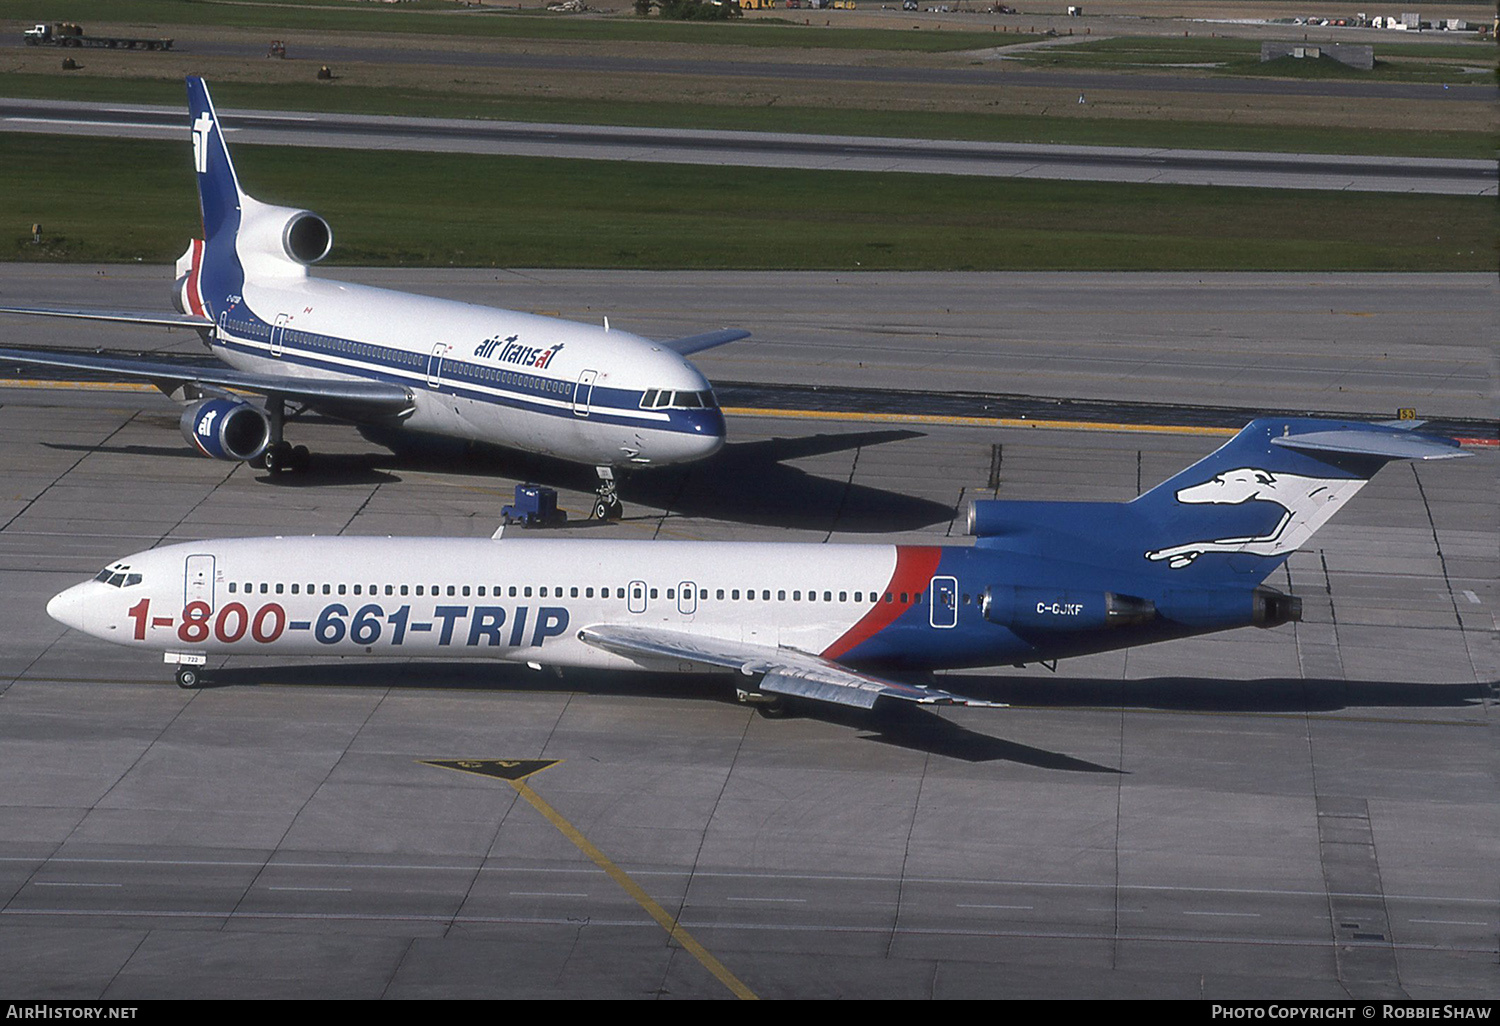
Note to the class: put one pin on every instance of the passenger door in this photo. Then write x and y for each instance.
(942, 609)
(687, 599)
(278, 331)
(583, 393)
(435, 365)
(198, 580)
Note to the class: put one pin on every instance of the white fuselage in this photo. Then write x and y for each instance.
(541, 384)
(515, 599)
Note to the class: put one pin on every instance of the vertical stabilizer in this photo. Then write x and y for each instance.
(220, 199)
(1260, 496)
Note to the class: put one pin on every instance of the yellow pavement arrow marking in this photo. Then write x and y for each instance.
(515, 772)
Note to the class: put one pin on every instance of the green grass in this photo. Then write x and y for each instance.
(441, 210)
(449, 19)
(345, 97)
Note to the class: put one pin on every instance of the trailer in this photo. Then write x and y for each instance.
(65, 33)
(535, 506)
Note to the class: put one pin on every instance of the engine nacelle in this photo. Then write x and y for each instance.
(1216, 609)
(227, 429)
(282, 235)
(1060, 609)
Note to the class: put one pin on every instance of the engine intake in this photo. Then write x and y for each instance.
(307, 238)
(227, 429)
(1057, 609)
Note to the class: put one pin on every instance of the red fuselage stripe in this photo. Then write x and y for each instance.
(195, 301)
(915, 565)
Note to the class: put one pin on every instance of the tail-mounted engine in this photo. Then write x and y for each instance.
(284, 236)
(1057, 609)
(227, 429)
(1271, 608)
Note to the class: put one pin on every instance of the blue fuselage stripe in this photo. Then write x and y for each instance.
(409, 369)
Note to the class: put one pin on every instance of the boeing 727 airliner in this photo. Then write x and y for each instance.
(609, 399)
(1043, 580)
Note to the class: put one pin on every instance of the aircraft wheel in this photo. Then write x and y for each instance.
(615, 510)
(188, 677)
(279, 457)
(775, 709)
(601, 510)
(301, 458)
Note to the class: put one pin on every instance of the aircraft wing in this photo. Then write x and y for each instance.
(164, 320)
(697, 343)
(376, 398)
(786, 671)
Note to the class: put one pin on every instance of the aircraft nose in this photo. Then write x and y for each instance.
(66, 607)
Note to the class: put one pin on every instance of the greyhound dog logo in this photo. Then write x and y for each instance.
(1306, 503)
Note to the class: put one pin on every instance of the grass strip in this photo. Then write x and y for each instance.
(416, 209)
(345, 98)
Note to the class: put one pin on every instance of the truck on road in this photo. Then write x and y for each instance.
(64, 33)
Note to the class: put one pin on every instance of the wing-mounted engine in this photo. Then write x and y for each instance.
(227, 429)
(280, 240)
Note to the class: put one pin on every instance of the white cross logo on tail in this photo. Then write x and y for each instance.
(1307, 503)
(201, 128)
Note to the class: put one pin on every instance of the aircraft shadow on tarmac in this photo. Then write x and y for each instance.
(897, 723)
(746, 482)
(1197, 694)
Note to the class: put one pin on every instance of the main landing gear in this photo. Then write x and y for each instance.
(607, 504)
(281, 456)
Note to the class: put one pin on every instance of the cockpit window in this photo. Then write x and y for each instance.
(117, 576)
(666, 399)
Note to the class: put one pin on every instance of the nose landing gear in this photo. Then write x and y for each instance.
(607, 504)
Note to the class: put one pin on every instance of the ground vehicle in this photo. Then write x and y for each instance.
(536, 506)
(64, 33)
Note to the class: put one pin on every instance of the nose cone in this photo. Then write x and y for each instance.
(66, 607)
(700, 434)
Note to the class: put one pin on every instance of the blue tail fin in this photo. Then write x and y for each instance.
(1232, 517)
(219, 197)
(1261, 495)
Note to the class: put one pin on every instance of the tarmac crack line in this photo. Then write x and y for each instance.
(844, 495)
(72, 467)
(349, 523)
(1443, 564)
(911, 828)
(703, 837)
(95, 803)
(292, 823)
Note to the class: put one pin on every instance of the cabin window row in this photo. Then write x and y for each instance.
(558, 591)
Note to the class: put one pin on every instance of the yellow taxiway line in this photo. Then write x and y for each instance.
(514, 772)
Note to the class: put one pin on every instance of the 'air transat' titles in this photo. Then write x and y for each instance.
(513, 352)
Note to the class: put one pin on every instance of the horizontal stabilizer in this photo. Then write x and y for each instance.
(697, 343)
(149, 317)
(1391, 444)
(375, 398)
